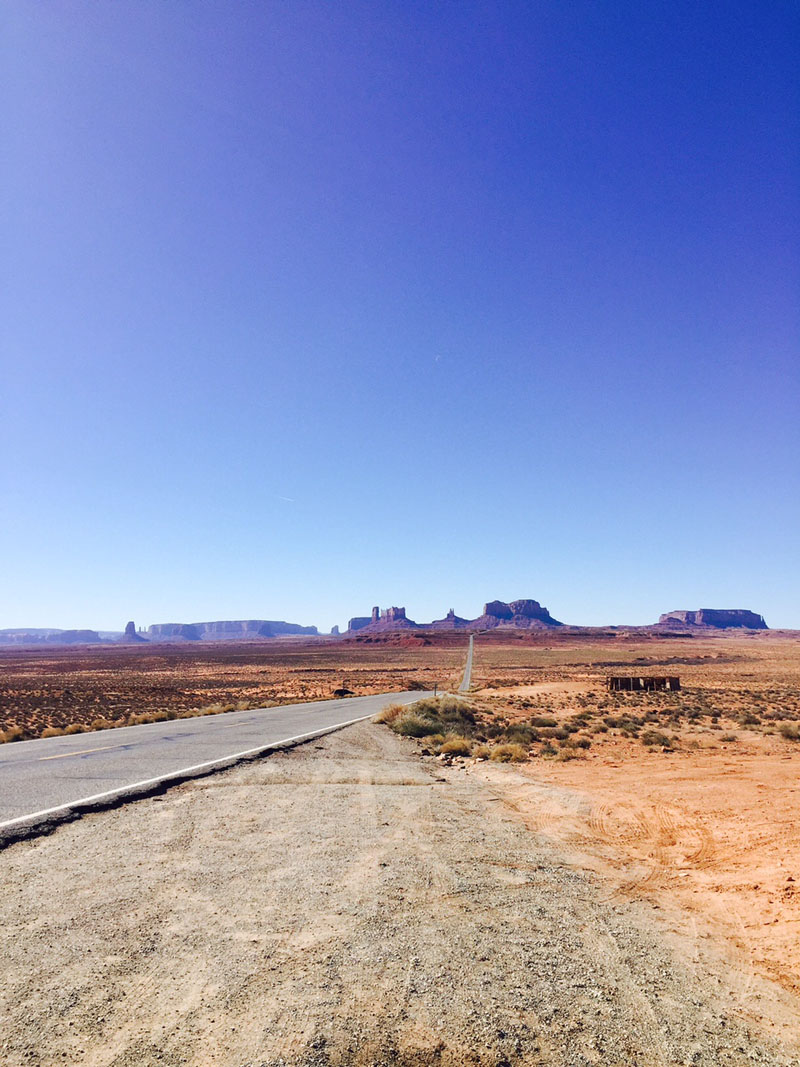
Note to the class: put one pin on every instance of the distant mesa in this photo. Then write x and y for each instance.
(76, 637)
(518, 614)
(714, 618)
(226, 630)
(334, 631)
(380, 621)
(43, 636)
(131, 636)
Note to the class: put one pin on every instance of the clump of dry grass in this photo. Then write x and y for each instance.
(509, 754)
(789, 730)
(390, 714)
(53, 731)
(653, 738)
(455, 746)
(430, 716)
(411, 725)
(13, 733)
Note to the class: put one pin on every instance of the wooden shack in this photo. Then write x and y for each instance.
(630, 683)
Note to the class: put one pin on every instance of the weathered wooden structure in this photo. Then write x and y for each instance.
(632, 683)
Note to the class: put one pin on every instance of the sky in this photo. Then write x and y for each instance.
(308, 307)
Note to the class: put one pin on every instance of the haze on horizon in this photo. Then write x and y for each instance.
(313, 307)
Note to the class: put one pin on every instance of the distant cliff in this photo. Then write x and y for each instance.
(39, 636)
(518, 614)
(717, 618)
(226, 630)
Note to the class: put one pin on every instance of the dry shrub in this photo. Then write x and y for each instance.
(509, 754)
(567, 754)
(655, 737)
(789, 730)
(390, 714)
(75, 728)
(13, 733)
(411, 725)
(455, 746)
(52, 731)
(481, 752)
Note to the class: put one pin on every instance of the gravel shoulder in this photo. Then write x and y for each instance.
(343, 903)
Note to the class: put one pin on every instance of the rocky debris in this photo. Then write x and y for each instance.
(226, 630)
(716, 618)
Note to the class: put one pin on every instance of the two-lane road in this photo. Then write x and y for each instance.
(42, 776)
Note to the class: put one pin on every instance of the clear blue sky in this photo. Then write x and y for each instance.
(311, 306)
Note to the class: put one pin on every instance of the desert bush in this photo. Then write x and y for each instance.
(100, 724)
(75, 728)
(389, 714)
(410, 725)
(655, 737)
(52, 731)
(789, 730)
(522, 735)
(481, 752)
(456, 746)
(749, 718)
(509, 754)
(13, 733)
(547, 750)
(543, 720)
(566, 754)
(729, 737)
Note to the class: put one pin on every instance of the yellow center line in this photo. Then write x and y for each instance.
(80, 752)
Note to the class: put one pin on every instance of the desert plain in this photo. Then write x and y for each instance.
(678, 810)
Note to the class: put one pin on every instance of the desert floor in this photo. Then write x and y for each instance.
(352, 903)
(640, 865)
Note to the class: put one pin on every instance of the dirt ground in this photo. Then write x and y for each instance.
(716, 835)
(352, 903)
(706, 826)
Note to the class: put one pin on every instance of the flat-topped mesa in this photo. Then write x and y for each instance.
(521, 614)
(715, 618)
(226, 630)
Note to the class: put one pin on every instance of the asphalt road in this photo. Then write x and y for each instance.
(467, 679)
(37, 776)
